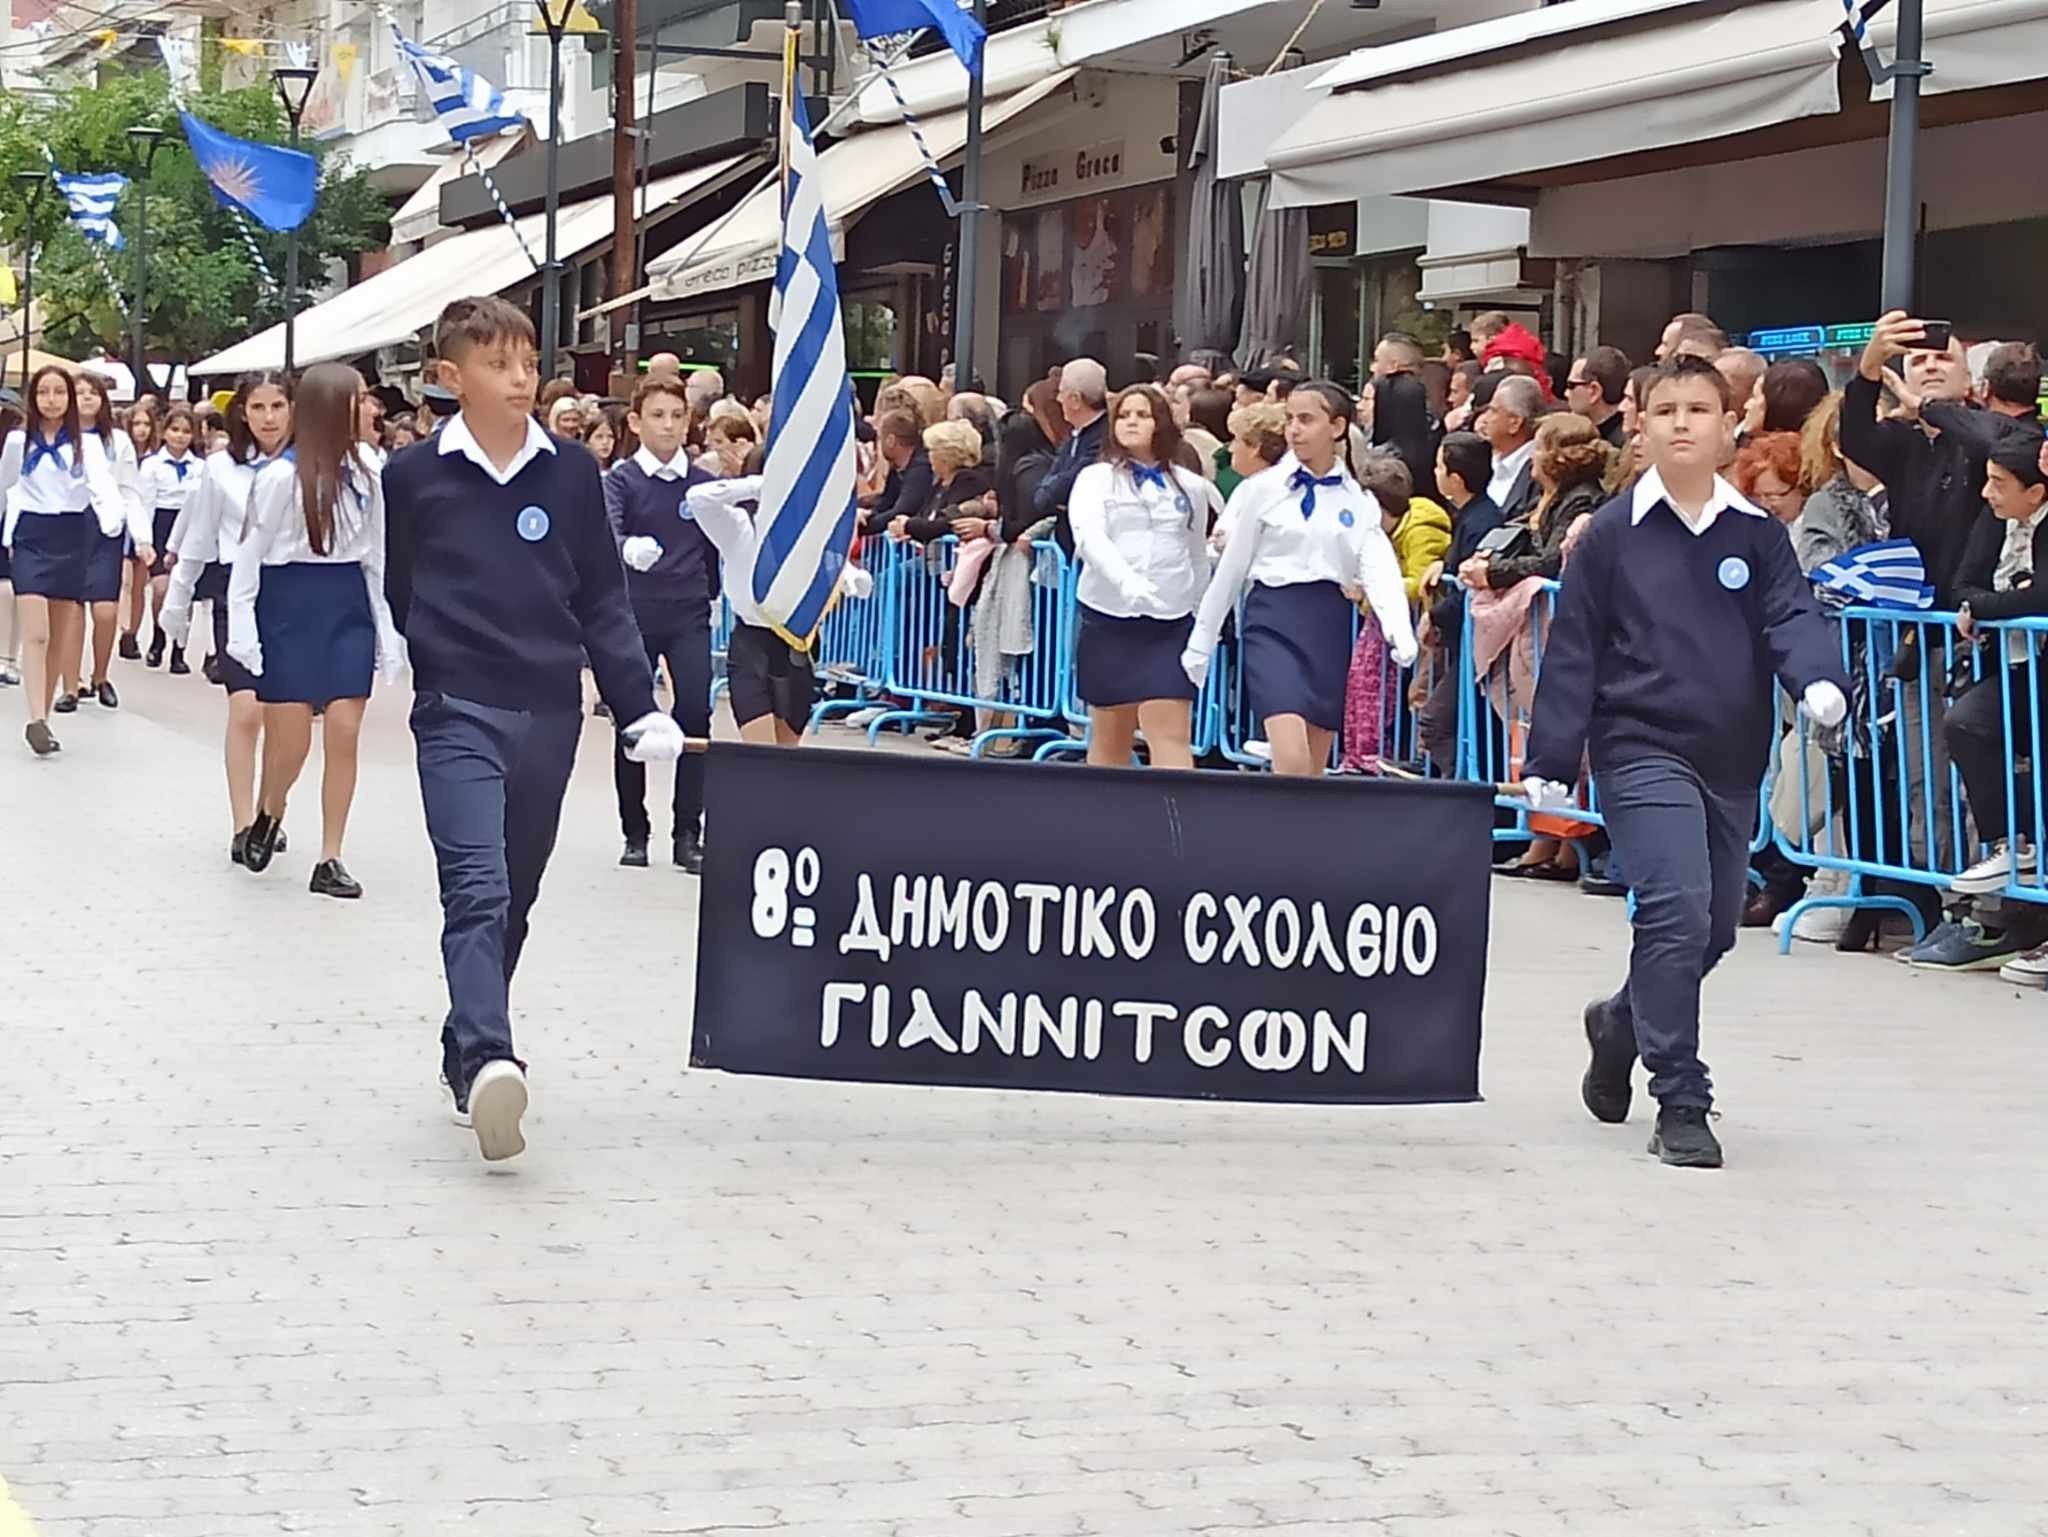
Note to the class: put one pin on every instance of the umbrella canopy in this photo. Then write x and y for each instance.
(1277, 284)
(10, 365)
(1210, 298)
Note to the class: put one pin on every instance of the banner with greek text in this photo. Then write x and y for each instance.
(874, 917)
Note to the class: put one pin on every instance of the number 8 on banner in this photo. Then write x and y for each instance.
(772, 913)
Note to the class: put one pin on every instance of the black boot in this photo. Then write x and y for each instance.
(156, 651)
(1606, 1088)
(635, 856)
(179, 666)
(129, 650)
(689, 851)
(1684, 1139)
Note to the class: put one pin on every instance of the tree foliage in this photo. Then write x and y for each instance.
(205, 291)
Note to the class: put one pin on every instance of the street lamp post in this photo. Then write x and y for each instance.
(33, 185)
(147, 142)
(294, 85)
(554, 15)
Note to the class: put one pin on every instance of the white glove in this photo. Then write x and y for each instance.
(251, 657)
(1139, 591)
(176, 623)
(1824, 702)
(654, 738)
(641, 552)
(1404, 657)
(392, 658)
(1196, 665)
(1546, 794)
(858, 582)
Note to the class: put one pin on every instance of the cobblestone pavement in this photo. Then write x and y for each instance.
(252, 1281)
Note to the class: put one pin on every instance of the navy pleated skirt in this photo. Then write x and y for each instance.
(1297, 651)
(161, 525)
(105, 556)
(319, 636)
(50, 551)
(234, 677)
(1128, 661)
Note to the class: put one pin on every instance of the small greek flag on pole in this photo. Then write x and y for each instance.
(806, 519)
(92, 196)
(1886, 575)
(468, 105)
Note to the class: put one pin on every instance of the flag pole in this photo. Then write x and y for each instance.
(792, 28)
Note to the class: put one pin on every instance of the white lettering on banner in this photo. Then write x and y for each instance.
(949, 913)
(1201, 947)
(1144, 1016)
(991, 917)
(1137, 901)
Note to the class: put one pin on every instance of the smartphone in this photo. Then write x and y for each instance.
(1936, 339)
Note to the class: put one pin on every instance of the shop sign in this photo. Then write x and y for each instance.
(1072, 170)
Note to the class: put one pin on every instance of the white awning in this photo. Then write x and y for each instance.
(1973, 44)
(391, 306)
(856, 173)
(419, 216)
(1632, 83)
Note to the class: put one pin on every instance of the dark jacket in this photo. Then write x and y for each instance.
(904, 494)
(1469, 524)
(936, 521)
(1023, 456)
(1057, 484)
(1546, 554)
(1935, 495)
(1980, 562)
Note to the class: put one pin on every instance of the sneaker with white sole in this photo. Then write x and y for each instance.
(458, 1102)
(2029, 969)
(1817, 925)
(497, 1099)
(1993, 871)
(1965, 946)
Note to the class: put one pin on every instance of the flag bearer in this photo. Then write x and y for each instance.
(1681, 603)
(502, 575)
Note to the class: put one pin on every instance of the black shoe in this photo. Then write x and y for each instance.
(1683, 1138)
(260, 842)
(1861, 931)
(179, 666)
(211, 669)
(128, 649)
(109, 700)
(237, 845)
(635, 855)
(689, 853)
(1606, 1088)
(281, 844)
(331, 879)
(156, 651)
(40, 742)
(66, 704)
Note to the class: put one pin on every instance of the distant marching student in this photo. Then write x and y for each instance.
(672, 580)
(169, 477)
(61, 501)
(146, 436)
(107, 560)
(206, 536)
(1681, 603)
(11, 419)
(502, 575)
(1308, 541)
(307, 615)
(1141, 532)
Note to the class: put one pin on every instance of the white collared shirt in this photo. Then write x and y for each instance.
(1649, 491)
(51, 489)
(1124, 528)
(278, 537)
(1507, 469)
(715, 506)
(163, 488)
(677, 468)
(456, 438)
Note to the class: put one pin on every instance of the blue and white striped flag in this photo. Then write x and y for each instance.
(1890, 574)
(1858, 14)
(468, 105)
(92, 196)
(805, 526)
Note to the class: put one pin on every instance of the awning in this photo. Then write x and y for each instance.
(420, 215)
(1973, 44)
(1634, 81)
(391, 306)
(856, 173)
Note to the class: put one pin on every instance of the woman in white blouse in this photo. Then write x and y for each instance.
(107, 560)
(1141, 529)
(307, 615)
(169, 477)
(1308, 541)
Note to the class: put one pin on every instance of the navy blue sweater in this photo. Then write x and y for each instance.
(500, 603)
(1666, 641)
(686, 576)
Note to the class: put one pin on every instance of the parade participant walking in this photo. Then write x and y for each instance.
(1141, 529)
(1308, 542)
(307, 615)
(502, 576)
(1680, 606)
(169, 477)
(146, 436)
(61, 501)
(206, 537)
(107, 559)
(672, 581)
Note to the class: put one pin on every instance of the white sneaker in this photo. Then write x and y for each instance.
(1817, 925)
(2029, 969)
(1990, 874)
(866, 716)
(497, 1099)
(1260, 749)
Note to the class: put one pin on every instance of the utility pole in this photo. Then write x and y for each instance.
(555, 16)
(625, 140)
(1902, 163)
(965, 284)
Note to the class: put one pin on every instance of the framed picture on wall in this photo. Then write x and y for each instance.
(1096, 238)
(1019, 264)
(1050, 268)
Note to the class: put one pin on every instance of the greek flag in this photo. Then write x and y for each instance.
(1886, 575)
(92, 196)
(1858, 14)
(805, 525)
(468, 105)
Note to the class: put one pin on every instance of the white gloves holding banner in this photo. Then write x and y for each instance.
(1824, 702)
(1196, 665)
(641, 552)
(1547, 794)
(654, 738)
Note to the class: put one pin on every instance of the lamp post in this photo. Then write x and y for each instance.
(294, 85)
(147, 142)
(966, 281)
(554, 15)
(33, 185)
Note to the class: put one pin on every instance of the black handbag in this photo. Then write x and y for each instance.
(1509, 539)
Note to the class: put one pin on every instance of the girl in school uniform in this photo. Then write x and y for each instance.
(1141, 529)
(146, 437)
(107, 559)
(307, 614)
(1308, 542)
(169, 477)
(11, 420)
(61, 500)
(205, 537)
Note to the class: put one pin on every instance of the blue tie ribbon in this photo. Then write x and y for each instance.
(181, 466)
(38, 450)
(1306, 484)
(1149, 474)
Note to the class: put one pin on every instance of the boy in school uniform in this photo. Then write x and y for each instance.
(502, 576)
(1681, 604)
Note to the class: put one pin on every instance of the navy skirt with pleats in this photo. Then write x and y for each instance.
(1297, 651)
(319, 635)
(105, 556)
(50, 554)
(1124, 661)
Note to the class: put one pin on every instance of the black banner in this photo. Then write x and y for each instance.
(885, 918)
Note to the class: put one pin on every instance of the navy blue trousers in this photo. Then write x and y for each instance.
(492, 782)
(683, 636)
(1685, 846)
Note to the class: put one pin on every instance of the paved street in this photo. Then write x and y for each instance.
(253, 1282)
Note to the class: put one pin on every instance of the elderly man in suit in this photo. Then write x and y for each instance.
(1084, 396)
